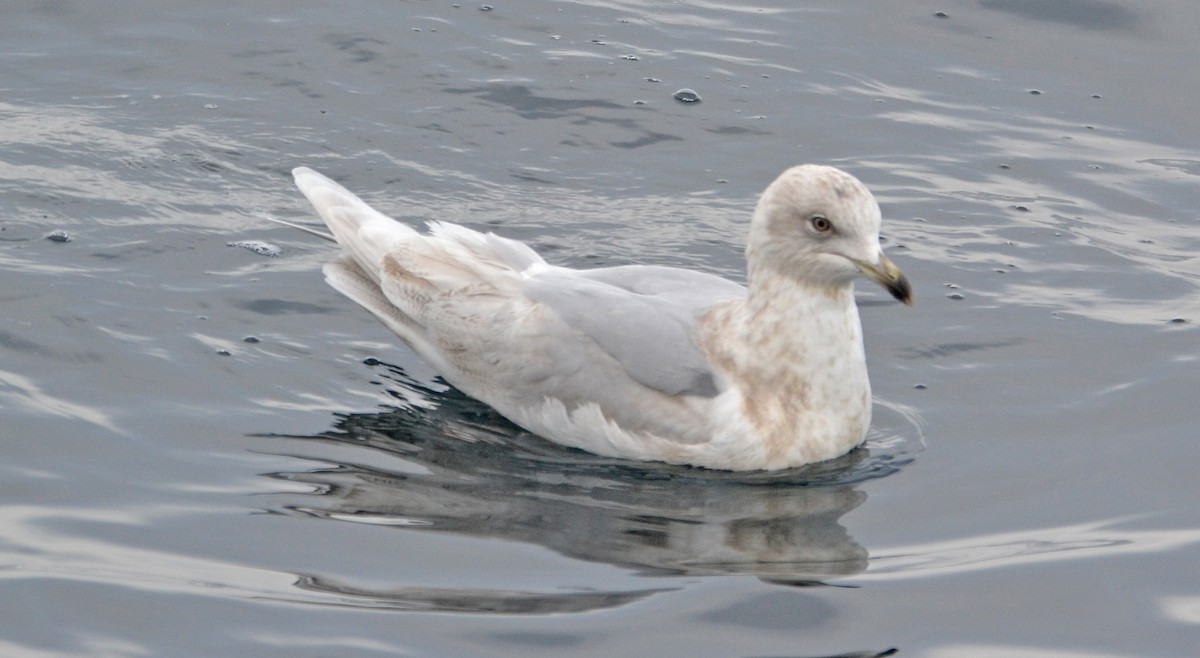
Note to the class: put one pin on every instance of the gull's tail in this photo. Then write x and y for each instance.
(367, 234)
(405, 277)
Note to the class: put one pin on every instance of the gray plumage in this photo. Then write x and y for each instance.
(643, 316)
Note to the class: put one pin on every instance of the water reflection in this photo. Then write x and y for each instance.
(457, 466)
(1087, 14)
(1025, 547)
(472, 601)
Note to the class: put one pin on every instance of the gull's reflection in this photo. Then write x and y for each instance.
(471, 601)
(457, 466)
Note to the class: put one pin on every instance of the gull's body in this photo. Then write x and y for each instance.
(641, 362)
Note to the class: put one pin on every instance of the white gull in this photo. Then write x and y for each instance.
(641, 362)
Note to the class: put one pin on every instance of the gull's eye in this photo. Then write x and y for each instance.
(821, 223)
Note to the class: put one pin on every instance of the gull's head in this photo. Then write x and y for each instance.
(820, 225)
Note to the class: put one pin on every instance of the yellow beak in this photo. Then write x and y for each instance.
(886, 274)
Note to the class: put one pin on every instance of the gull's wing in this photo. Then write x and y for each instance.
(643, 316)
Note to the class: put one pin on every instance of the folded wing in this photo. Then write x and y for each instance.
(643, 316)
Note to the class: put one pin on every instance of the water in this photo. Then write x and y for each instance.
(207, 451)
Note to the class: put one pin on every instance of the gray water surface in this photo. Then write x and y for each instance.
(207, 451)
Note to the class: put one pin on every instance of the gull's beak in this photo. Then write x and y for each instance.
(886, 274)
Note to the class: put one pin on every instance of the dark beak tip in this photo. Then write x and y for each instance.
(902, 291)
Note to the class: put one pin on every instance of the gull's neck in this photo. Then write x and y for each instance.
(797, 368)
(799, 326)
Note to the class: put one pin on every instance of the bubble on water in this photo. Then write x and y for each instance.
(630, 57)
(58, 235)
(686, 96)
(258, 247)
(211, 106)
(486, 7)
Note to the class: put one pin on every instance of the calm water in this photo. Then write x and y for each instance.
(206, 451)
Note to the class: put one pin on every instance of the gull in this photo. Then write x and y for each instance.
(641, 362)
